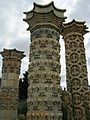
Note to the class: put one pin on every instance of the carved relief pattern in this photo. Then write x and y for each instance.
(44, 91)
(67, 103)
(8, 99)
(76, 71)
(45, 32)
(44, 116)
(44, 78)
(75, 58)
(44, 65)
(79, 113)
(11, 66)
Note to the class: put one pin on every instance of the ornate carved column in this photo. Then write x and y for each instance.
(9, 85)
(67, 105)
(44, 98)
(76, 69)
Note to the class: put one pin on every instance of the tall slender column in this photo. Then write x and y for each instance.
(44, 97)
(9, 84)
(76, 68)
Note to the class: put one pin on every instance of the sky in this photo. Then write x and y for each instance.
(13, 33)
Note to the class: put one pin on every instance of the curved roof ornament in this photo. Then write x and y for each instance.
(46, 8)
(74, 26)
(45, 15)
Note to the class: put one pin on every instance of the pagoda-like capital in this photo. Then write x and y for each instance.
(74, 27)
(45, 16)
(12, 53)
(11, 67)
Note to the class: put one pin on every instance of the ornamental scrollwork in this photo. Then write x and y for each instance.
(86, 99)
(84, 70)
(85, 83)
(72, 37)
(78, 113)
(46, 32)
(11, 66)
(73, 46)
(82, 58)
(66, 98)
(8, 99)
(75, 70)
(76, 83)
(77, 98)
(74, 58)
(81, 46)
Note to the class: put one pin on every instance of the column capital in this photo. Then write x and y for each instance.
(74, 27)
(12, 53)
(11, 67)
(45, 16)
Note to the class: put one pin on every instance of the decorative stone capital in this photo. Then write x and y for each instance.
(11, 67)
(76, 27)
(45, 15)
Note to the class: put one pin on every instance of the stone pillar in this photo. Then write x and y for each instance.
(9, 84)
(76, 68)
(44, 97)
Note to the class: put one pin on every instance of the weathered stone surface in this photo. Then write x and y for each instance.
(10, 83)
(76, 69)
(44, 92)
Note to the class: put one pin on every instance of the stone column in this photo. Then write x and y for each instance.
(76, 68)
(9, 84)
(44, 97)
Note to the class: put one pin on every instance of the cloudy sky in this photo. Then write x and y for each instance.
(13, 32)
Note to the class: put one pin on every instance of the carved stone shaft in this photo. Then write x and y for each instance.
(44, 94)
(76, 69)
(9, 84)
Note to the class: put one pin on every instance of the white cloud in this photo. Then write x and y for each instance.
(13, 30)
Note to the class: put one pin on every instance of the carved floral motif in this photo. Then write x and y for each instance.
(9, 99)
(76, 71)
(50, 33)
